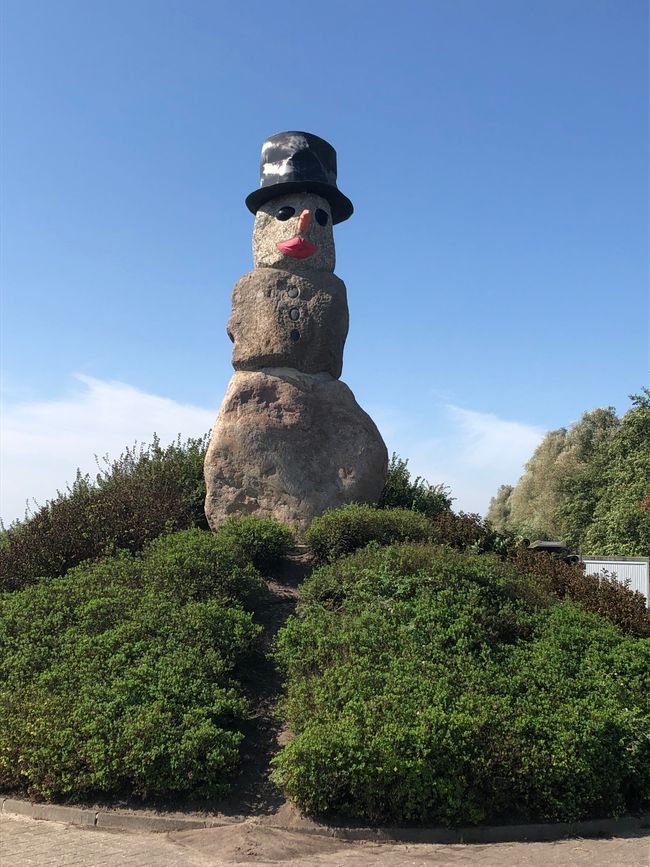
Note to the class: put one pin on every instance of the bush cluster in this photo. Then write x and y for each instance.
(602, 594)
(195, 564)
(347, 528)
(401, 492)
(462, 530)
(263, 540)
(147, 491)
(121, 677)
(426, 684)
(449, 678)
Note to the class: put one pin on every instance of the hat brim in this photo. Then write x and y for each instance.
(342, 207)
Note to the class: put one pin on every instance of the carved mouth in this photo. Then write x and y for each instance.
(298, 248)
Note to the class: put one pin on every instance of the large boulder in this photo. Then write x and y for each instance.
(291, 445)
(284, 319)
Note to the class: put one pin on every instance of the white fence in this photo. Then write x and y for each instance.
(633, 569)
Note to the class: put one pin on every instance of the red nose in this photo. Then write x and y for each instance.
(304, 221)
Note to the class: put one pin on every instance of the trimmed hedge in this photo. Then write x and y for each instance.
(341, 531)
(121, 677)
(430, 685)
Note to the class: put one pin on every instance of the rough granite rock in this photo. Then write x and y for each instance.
(283, 319)
(269, 231)
(291, 445)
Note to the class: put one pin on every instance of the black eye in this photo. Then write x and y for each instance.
(321, 217)
(285, 213)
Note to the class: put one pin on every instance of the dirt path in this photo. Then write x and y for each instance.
(254, 794)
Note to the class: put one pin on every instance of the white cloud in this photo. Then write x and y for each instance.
(44, 442)
(488, 440)
(472, 453)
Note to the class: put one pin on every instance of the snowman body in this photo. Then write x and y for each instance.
(290, 440)
(283, 319)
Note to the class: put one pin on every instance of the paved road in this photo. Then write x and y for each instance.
(31, 843)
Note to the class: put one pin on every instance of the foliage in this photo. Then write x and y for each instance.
(343, 530)
(531, 508)
(121, 676)
(420, 496)
(196, 564)
(264, 540)
(587, 485)
(147, 491)
(431, 685)
(603, 594)
(467, 531)
(603, 511)
(500, 509)
(347, 528)
(331, 584)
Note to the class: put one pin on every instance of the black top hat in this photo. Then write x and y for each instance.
(299, 162)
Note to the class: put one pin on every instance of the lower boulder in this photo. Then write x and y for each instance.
(290, 445)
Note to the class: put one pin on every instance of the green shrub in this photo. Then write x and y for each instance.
(374, 566)
(110, 687)
(343, 530)
(197, 564)
(463, 531)
(433, 685)
(420, 496)
(331, 584)
(602, 594)
(147, 491)
(264, 540)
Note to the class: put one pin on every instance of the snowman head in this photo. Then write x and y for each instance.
(294, 232)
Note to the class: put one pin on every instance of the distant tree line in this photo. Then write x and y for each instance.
(588, 485)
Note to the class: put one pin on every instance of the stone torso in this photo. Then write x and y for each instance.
(286, 319)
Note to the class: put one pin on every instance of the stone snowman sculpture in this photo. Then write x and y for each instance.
(290, 440)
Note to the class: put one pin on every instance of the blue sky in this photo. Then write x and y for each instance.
(496, 263)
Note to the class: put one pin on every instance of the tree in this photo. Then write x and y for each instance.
(532, 508)
(619, 476)
(588, 485)
(534, 498)
(500, 509)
